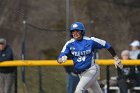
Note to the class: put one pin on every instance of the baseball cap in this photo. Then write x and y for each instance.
(135, 43)
(2, 41)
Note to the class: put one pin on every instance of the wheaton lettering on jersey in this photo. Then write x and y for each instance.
(81, 53)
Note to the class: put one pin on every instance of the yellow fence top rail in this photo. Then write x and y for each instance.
(67, 63)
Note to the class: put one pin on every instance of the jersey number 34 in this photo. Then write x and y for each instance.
(81, 58)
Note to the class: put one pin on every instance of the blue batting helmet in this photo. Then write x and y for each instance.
(78, 26)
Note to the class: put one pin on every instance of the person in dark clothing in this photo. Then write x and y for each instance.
(138, 72)
(72, 79)
(138, 58)
(126, 77)
(7, 74)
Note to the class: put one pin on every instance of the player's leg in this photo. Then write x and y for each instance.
(87, 79)
(95, 88)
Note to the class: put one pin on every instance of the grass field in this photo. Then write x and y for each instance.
(53, 80)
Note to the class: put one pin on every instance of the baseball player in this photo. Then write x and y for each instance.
(81, 48)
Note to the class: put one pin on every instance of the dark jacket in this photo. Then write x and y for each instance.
(128, 72)
(6, 55)
(139, 59)
(69, 69)
(138, 56)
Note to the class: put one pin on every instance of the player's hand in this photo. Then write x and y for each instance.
(118, 63)
(62, 59)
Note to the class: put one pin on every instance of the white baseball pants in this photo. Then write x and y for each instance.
(88, 80)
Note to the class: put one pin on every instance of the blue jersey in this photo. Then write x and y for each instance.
(82, 51)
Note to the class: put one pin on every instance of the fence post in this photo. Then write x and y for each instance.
(40, 80)
(108, 78)
(16, 81)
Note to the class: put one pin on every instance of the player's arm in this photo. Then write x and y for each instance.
(99, 44)
(116, 58)
(63, 55)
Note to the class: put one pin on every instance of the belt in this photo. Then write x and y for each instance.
(79, 72)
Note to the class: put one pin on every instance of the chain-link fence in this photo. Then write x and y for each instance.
(36, 29)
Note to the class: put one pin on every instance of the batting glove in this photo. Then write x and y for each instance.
(118, 62)
(62, 59)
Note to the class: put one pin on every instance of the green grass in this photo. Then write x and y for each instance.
(53, 80)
